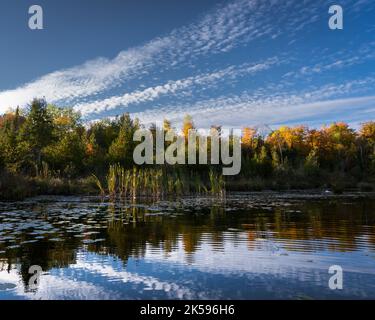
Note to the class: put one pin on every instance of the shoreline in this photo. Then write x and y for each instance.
(315, 194)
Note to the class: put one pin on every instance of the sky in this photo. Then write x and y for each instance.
(233, 63)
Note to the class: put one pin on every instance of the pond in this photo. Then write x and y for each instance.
(246, 246)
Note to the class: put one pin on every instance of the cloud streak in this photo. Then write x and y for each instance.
(194, 68)
(219, 31)
(326, 103)
(174, 87)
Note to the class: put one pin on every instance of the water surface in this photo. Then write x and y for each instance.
(247, 246)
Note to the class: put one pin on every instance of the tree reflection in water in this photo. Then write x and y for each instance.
(50, 233)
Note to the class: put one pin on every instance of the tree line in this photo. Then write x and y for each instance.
(48, 143)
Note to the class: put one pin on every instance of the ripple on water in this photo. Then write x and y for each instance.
(12, 247)
(28, 241)
(7, 286)
(203, 235)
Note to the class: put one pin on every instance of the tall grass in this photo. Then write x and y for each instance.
(112, 180)
(217, 183)
(157, 182)
(99, 185)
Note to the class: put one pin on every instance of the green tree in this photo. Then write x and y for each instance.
(121, 150)
(10, 125)
(67, 154)
(38, 129)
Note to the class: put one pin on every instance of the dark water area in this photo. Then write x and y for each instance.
(246, 246)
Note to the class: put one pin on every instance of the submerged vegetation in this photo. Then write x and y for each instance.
(49, 150)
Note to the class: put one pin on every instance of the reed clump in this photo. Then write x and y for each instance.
(157, 183)
(217, 183)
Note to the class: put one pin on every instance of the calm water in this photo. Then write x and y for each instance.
(250, 246)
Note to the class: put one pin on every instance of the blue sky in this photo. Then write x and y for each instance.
(234, 63)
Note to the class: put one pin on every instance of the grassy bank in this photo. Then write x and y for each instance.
(120, 183)
(16, 187)
(332, 183)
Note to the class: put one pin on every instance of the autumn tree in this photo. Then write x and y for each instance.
(187, 125)
(248, 139)
(340, 145)
(167, 125)
(366, 145)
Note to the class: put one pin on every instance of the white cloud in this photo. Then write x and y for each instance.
(338, 60)
(219, 30)
(172, 87)
(267, 106)
(85, 80)
(227, 26)
(94, 87)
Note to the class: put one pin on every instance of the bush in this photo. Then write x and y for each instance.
(366, 187)
(14, 187)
